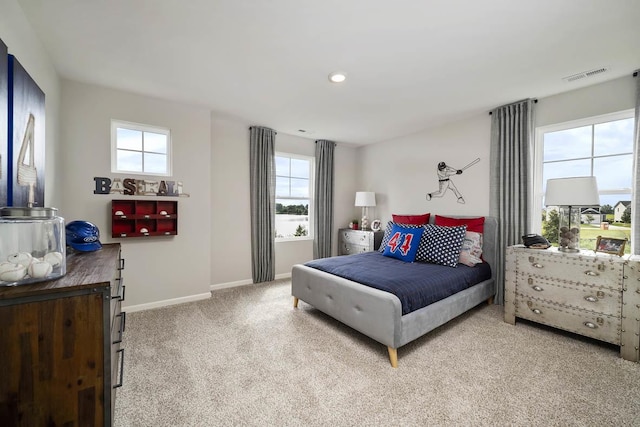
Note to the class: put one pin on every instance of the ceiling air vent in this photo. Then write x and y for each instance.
(585, 74)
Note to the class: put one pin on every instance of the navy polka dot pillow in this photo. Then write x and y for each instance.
(387, 234)
(441, 245)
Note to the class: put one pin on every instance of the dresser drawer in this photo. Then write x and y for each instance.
(356, 237)
(599, 300)
(569, 268)
(349, 249)
(598, 326)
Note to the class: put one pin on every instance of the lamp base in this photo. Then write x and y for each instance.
(569, 229)
(364, 223)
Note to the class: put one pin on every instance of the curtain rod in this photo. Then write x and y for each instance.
(535, 101)
(262, 127)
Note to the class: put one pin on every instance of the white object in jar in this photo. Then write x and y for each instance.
(22, 258)
(39, 269)
(119, 213)
(163, 212)
(10, 272)
(53, 258)
(144, 230)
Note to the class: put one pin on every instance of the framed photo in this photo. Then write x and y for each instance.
(610, 245)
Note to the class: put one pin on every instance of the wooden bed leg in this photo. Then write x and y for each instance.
(490, 301)
(295, 302)
(393, 356)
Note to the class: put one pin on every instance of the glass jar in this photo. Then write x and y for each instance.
(32, 245)
(569, 228)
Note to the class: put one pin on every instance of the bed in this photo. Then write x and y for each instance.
(379, 314)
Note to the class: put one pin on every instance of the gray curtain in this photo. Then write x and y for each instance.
(263, 203)
(323, 199)
(510, 183)
(635, 196)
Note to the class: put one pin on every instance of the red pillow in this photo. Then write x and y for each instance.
(411, 219)
(473, 224)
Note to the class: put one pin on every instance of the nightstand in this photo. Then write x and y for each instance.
(591, 294)
(358, 241)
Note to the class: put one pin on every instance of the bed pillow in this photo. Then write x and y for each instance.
(411, 219)
(441, 245)
(473, 224)
(403, 243)
(387, 234)
(471, 249)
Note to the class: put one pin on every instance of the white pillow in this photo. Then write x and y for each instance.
(471, 249)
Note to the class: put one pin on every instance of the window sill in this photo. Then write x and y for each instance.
(293, 239)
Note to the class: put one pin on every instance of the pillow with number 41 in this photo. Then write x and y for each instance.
(403, 243)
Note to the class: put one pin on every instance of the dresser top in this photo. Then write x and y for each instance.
(584, 253)
(84, 270)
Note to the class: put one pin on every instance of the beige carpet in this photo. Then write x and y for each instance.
(247, 358)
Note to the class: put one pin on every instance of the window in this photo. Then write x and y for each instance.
(294, 200)
(140, 149)
(599, 146)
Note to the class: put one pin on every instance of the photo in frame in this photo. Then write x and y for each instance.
(26, 138)
(610, 245)
(4, 145)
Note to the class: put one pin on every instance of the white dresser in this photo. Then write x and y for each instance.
(592, 294)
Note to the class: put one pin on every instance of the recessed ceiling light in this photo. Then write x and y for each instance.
(337, 77)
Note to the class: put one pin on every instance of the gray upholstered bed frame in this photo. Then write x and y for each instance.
(378, 314)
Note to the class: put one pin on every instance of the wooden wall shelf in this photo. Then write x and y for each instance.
(144, 218)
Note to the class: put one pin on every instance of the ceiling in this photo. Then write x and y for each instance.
(410, 64)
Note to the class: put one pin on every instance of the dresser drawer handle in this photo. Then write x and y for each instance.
(591, 273)
(590, 325)
(537, 288)
(591, 298)
(119, 384)
(536, 311)
(122, 317)
(536, 265)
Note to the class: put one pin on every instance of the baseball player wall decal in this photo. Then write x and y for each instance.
(445, 172)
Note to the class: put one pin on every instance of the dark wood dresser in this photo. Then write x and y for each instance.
(60, 354)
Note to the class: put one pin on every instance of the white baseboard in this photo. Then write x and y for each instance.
(197, 297)
(244, 282)
(165, 303)
(230, 285)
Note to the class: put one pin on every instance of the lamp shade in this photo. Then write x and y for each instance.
(574, 191)
(365, 198)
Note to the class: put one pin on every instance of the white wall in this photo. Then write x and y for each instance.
(157, 268)
(608, 97)
(16, 32)
(231, 221)
(402, 171)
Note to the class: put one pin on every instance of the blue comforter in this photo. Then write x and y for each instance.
(416, 284)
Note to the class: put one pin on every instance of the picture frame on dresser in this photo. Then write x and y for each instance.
(610, 245)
